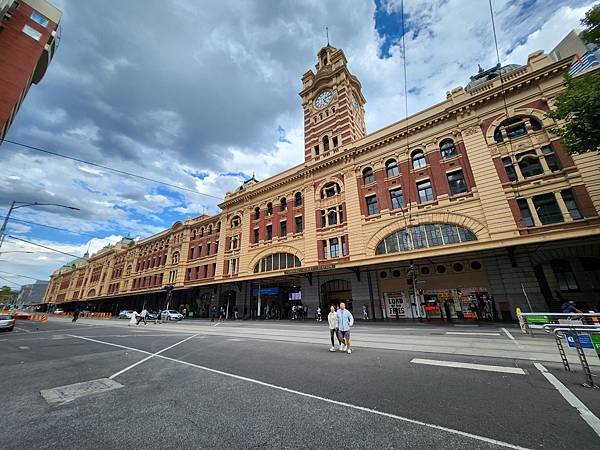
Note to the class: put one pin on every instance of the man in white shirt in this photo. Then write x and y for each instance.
(345, 322)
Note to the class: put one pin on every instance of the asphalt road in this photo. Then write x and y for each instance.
(212, 391)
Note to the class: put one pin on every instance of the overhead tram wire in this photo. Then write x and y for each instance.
(111, 169)
(12, 219)
(44, 246)
(406, 224)
(18, 275)
(9, 281)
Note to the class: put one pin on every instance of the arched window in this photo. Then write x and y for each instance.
(515, 127)
(128, 270)
(193, 234)
(175, 258)
(201, 231)
(418, 159)
(210, 229)
(234, 243)
(332, 217)
(218, 226)
(277, 261)
(282, 204)
(257, 213)
(298, 199)
(269, 209)
(391, 168)
(447, 148)
(331, 189)
(325, 143)
(368, 176)
(235, 222)
(424, 236)
(529, 164)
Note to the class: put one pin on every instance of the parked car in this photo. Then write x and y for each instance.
(7, 322)
(125, 314)
(171, 314)
(152, 315)
(59, 311)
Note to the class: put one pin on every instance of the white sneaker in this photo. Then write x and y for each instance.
(349, 351)
(332, 349)
(343, 348)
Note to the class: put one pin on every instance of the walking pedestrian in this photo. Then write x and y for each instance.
(221, 313)
(345, 321)
(305, 312)
(75, 315)
(142, 316)
(365, 313)
(333, 328)
(212, 313)
(158, 317)
(235, 313)
(133, 318)
(318, 318)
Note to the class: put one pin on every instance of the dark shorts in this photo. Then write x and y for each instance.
(344, 334)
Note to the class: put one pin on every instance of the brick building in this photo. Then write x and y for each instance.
(470, 207)
(28, 40)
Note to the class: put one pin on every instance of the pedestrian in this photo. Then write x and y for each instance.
(365, 313)
(235, 313)
(133, 318)
(75, 315)
(333, 328)
(221, 313)
(142, 316)
(318, 314)
(305, 312)
(158, 317)
(212, 313)
(345, 320)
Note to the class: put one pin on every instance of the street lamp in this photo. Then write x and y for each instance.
(14, 205)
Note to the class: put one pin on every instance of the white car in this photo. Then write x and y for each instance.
(171, 314)
(125, 314)
(7, 322)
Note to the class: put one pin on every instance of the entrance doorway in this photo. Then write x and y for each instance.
(335, 292)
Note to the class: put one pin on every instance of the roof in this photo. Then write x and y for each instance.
(483, 76)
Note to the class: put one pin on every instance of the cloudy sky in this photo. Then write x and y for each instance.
(202, 94)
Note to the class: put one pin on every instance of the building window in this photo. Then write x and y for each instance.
(324, 247)
(424, 236)
(511, 173)
(330, 190)
(344, 246)
(372, 205)
(283, 228)
(256, 236)
(298, 199)
(564, 275)
(332, 217)
(277, 261)
(175, 258)
(547, 209)
(235, 222)
(551, 159)
(298, 224)
(368, 176)
(456, 182)
(208, 249)
(234, 243)
(269, 209)
(202, 232)
(325, 144)
(425, 191)
(447, 148)
(529, 164)
(334, 247)
(37, 17)
(397, 198)
(316, 147)
(282, 204)
(35, 34)
(335, 139)
(269, 232)
(391, 168)
(418, 159)
(525, 213)
(256, 213)
(516, 127)
(571, 204)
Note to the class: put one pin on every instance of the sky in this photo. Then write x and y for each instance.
(204, 94)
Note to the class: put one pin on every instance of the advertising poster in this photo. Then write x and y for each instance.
(396, 305)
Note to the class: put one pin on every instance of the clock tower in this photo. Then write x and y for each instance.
(333, 105)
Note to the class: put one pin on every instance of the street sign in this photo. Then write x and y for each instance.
(596, 342)
(584, 340)
(538, 319)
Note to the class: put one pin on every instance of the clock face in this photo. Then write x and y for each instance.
(324, 98)
(354, 102)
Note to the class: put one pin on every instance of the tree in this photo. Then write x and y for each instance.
(579, 107)
(592, 21)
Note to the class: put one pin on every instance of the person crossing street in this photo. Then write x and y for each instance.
(345, 320)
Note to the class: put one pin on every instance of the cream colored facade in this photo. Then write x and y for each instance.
(465, 239)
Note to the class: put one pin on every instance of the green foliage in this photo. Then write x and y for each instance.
(592, 22)
(579, 107)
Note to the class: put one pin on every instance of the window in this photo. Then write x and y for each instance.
(37, 17)
(456, 182)
(257, 213)
(269, 209)
(35, 34)
(269, 232)
(334, 247)
(564, 275)
(316, 147)
(529, 164)
(525, 213)
(331, 217)
(256, 236)
(277, 261)
(208, 249)
(235, 222)
(511, 173)
(210, 229)
(571, 204)
(425, 191)
(397, 198)
(283, 228)
(418, 159)
(368, 176)
(372, 206)
(516, 127)
(175, 258)
(298, 224)
(424, 236)
(344, 246)
(551, 159)
(298, 199)
(324, 246)
(547, 209)
(234, 243)
(391, 168)
(325, 144)
(447, 148)
(335, 139)
(330, 190)
(282, 204)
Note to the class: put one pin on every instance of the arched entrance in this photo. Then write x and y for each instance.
(335, 292)
(227, 301)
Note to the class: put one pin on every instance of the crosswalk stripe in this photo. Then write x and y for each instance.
(461, 365)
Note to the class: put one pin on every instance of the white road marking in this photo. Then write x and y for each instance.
(70, 392)
(22, 329)
(323, 399)
(110, 343)
(512, 338)
(461, 365)
(235, 340)
(23, 347)
(470, 333)
(585, 413)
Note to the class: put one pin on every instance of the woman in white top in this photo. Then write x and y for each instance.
(333, 327)
(133, 319)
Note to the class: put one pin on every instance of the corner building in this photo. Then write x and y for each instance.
(469, 208)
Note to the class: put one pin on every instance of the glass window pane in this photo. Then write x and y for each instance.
(547, 209)
(425, 191)
(397, 198)
(418, 236)
(391, 243)
(37, 17)
(466, 235)
(269, 263)
(530, 166)
(276, 261)
(456, 182)
(449, 233)
(31, 32)
(571, 204)
(283, 261)
(380, 250)
(296, 261)
(434, 235)
(290, 260)
(405, 241)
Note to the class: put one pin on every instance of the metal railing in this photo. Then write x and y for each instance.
(531, 321)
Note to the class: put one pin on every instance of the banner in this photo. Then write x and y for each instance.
(395, 305)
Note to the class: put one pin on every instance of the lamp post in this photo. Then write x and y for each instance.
(14, 205)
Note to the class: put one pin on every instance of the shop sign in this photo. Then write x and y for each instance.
(584, 340)
(266, 291)
(309, 269)
(538, 319)
(596, 342)
(394, 304)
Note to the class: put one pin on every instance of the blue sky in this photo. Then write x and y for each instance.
(206, 94)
